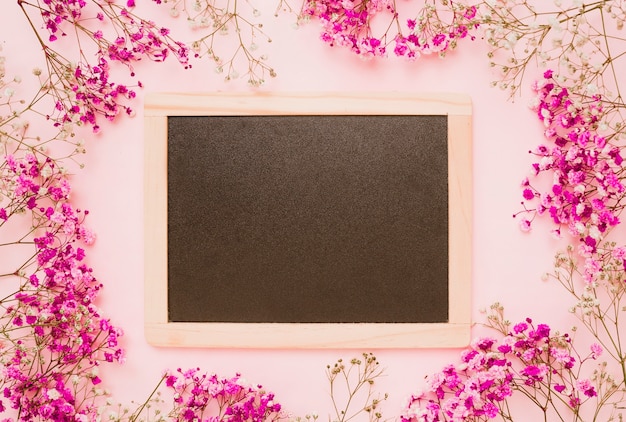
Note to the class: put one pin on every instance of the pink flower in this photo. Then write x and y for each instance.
(596, 350)
(491, 371)
(524, 225)
(586, 387)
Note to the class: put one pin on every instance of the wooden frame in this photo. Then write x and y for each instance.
(455, 333)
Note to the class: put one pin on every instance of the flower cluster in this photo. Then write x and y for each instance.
(570, 36)
(586, 190)
(596, 285)
(358, 377)
(55, 12)
(82, 88)
(435, 28)
(138, 38)
(528, 359)
(213, 19)
(86, 93)
(54, 337)
(200, 396)
(577, 180)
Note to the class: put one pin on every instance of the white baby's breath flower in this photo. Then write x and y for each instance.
(592, 89)
(555, 24)
(511, 39)
(594, 232)
(19, 124)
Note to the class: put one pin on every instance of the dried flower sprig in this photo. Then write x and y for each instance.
(579, 103)
(525, 359)
(578, 99)
(435, 27)
(215, 21)
(579, 40)
(597, 300)
(54, 337)
(202, 396)
(358, 378)
(81, 87)
(587, 191)
(581, 107)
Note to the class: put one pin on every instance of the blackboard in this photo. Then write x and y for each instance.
(307, 218)
(307, 225)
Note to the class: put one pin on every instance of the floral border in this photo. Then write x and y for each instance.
(55, 338)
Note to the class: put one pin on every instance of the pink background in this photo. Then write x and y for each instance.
(507, 264)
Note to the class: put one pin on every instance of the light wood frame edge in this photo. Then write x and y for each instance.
(160, 332)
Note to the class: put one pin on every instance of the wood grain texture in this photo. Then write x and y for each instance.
(224, 104)
(456, 333)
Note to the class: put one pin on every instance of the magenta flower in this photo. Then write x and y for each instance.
(586, 196)
(528, 358)
(52, 351)
(349, 24)
(236, 400)
(91, 93)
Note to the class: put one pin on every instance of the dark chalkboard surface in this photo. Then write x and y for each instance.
(305, 219)
(308, 218)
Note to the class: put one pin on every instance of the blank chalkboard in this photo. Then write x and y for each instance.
(281, 225)
(307, 218)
